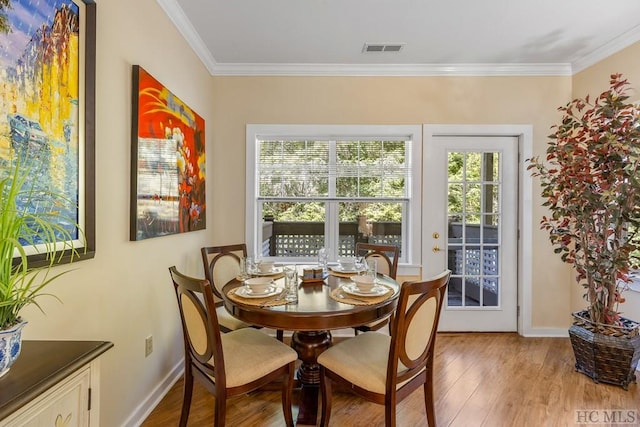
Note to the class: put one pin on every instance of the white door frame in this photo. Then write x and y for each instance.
(524, 133)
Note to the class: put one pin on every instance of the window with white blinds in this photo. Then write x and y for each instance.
(330, 186)
(316, 169)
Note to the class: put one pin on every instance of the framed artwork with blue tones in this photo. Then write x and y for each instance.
(47, 105)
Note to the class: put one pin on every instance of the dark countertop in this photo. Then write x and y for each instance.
(42, 364)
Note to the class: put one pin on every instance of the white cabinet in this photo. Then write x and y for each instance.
(64, 405)
(72, 399)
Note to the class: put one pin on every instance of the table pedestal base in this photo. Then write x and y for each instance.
(309, 345)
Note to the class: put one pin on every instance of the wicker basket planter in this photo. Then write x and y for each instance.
(606, 353)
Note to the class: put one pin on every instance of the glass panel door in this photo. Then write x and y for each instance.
(473, 242)
(470, 222)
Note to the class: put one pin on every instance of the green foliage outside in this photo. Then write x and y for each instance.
(466, 183)
(367, 170)
(363, 170)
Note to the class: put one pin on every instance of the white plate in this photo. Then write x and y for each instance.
(276, 270)
(376, 291)
(339, 269)
(245, 292)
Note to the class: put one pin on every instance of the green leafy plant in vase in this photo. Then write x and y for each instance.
(591, 185)
(30, 217)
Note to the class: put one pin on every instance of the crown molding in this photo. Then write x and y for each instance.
(175, 13)
(617, 44)
(394, 70)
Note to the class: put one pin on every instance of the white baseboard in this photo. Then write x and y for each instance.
(546, 332)
(159, 392)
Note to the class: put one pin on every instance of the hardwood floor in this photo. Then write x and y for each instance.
(480, 380)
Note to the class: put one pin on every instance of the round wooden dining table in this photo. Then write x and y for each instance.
(312, 318)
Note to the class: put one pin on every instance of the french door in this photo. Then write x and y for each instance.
(470, 206)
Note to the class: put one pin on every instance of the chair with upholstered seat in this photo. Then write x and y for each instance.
(386, 369)
(386, 257)
(228, 364)
(221, 265)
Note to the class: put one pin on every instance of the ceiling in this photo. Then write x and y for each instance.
(451, 37)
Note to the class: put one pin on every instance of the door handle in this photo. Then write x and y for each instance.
(436, 248)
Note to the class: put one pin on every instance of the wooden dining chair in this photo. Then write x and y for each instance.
(228, 364)
(386, 257)
(386, 369)
(221, 265)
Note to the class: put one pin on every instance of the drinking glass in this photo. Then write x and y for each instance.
(250, 263)
(372, 269)
(291, 284)
(323, 259)
(359, 265)
(244, 269)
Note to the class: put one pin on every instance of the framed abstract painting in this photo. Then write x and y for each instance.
(167, 162)
(47, 99)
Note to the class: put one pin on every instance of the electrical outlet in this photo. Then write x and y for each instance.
(148, 346)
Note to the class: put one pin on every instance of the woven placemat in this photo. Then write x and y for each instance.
(270, 301)
(338, 294)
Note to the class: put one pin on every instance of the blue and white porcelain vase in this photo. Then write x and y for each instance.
(10, 346)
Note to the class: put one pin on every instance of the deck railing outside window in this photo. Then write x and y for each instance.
(473, 261)
(303, 239)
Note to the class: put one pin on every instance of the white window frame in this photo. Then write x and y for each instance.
(412, 223)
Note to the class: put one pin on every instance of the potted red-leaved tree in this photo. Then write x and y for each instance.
(591, 185)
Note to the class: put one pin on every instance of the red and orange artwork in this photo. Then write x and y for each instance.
(168, 173)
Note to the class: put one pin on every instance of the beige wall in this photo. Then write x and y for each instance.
(124, 294)
(595, 79)
(391, 100)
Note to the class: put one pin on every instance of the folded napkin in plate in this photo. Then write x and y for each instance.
(338, 294)
(269, 301)
(341, 274)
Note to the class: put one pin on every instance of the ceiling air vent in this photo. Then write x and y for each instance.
(382, 47)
